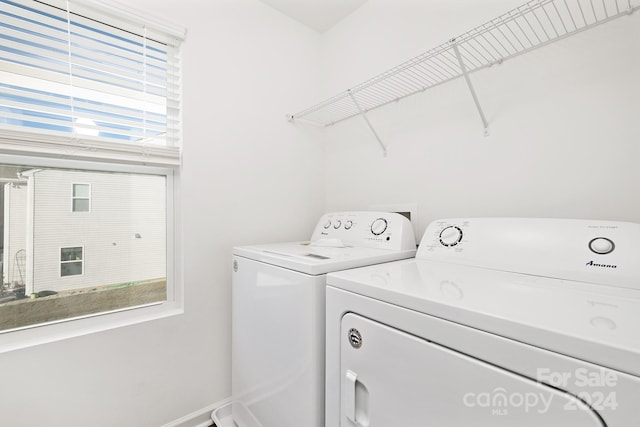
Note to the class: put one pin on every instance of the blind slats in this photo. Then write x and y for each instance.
(85, 72)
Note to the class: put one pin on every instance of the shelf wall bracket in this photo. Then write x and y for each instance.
(465, 74)
(366, 119)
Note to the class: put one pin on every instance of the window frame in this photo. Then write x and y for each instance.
(14, 339)
(70, 261)
(74, 198)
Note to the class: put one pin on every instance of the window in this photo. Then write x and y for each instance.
(71, 261)
(78, 81)
(90, 98)
(114, 259)
(81, 197)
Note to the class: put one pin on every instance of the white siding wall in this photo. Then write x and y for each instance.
(15, 227)
(121, 206)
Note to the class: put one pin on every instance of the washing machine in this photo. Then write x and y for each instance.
(278, 315)
(496, 322)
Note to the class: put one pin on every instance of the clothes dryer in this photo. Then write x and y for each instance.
(496, 322)
(278, 315)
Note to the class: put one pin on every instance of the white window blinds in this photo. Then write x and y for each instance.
(86, 80)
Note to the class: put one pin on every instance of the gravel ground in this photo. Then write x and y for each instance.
(80, 302)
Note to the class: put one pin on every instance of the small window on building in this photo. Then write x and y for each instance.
(71, 261)
(81, 198)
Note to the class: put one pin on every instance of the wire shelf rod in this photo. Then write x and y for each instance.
(584, 18)
(469, 59)
(533, 30)
(504, 19)
(593, 10)
(504, 48)
(544, 30)
(392, 87)
(492, 46)
(372, 97)
(564, 26)
(452, 66)
(366, 119)
(428, 75)
(570, 14)
(438, 70)
(383, 86)
(484, 48)
(411, 80)
(480, 61)
(470, 86)
(422, 76)
(445, 68)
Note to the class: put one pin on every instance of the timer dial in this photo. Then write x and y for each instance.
(348, 225)
(450, 236)
(337, 224)
(327, 224)
(601, 245)
(379, 226)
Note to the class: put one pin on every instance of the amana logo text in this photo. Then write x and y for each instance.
(593, 264)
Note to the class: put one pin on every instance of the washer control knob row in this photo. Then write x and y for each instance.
(337, 224)
(450, 236)
(379, 226)
(601, 245)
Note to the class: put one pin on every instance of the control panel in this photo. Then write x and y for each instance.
(386, 230)
(605, 252)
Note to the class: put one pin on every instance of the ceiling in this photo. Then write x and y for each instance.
(317, 14)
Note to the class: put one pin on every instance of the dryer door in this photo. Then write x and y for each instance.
(391, 378)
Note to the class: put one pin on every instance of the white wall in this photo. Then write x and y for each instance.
(248, 176)
(563, 120)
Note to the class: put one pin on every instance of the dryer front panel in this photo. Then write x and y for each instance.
(391, 378)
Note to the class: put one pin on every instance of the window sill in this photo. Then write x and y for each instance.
(71, 328)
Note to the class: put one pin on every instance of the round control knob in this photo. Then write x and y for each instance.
(379, 226)
(348, 225)
(337, 224)
(450, 236)
(327, 224)
(601, 245)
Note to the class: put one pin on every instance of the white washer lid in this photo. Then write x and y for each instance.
(595, 323)
(314, 260)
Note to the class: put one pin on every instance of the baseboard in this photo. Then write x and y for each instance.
(199, 418)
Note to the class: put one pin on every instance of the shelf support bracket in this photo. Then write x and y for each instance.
(465, 74)
(366, 119)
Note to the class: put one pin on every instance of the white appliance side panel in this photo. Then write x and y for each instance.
(278, 325)
(396, 379)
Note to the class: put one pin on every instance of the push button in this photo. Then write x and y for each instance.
(601, 245)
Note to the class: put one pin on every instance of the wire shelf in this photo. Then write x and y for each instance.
(530, 26)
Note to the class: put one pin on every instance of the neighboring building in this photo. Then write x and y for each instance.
(66, 229)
